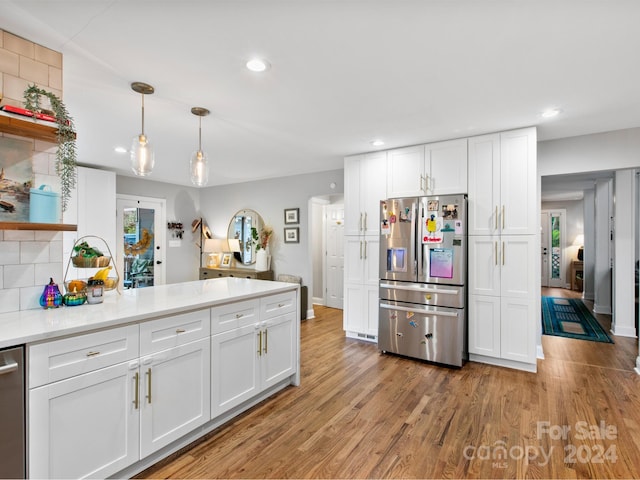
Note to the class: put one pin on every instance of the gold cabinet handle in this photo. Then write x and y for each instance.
(360, 224)
(265, 342)
(239, 315)
(360, 249)
(92, 354)
(365, 249)
(149, 385)
(495, 247)
(180, 330)
(502, 253)
(280, 305)
(427, 185)
(136, 392)
(260, 343)
(364, 226)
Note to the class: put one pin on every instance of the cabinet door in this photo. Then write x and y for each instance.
(278, 347)
(354, 311)
(405, 172)
(373, 188)
(518, 183)
(175, 394)
(371, 311)
(518, 328)
(484, 325)
(448, 167)
(484, 185)
(234, 368)
(85, 426)
(518, 265)
(352, 196)
(354, 259)
(484, 265)
(371, 260)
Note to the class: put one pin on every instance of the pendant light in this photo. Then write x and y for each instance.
(198, 165)
(142, 157)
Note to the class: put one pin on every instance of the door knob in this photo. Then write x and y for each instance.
(158, 262)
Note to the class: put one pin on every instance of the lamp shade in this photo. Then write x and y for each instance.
(234, 245)
(215, 245)
(142, 156)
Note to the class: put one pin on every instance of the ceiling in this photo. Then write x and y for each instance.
(342, 74)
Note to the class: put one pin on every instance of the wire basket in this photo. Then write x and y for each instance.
(90, 262)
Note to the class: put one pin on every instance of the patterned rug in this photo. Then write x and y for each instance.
(569, 317)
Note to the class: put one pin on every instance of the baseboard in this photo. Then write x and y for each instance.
(310, 314)
(539, 352)
(625, 332)
(362, 336)
(501, 362)
(603, 310)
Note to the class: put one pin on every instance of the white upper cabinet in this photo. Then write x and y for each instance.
(502, 183)
(365, 186)
(433, 169)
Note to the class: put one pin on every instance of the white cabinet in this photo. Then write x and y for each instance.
(503, 248)
(101, 401)
(360, 313)
(433, 169)
(174, 394)
(365, 186)
(84, 423)
(502, 183)
(252, 352)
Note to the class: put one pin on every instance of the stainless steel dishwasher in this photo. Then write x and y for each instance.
(12, 413)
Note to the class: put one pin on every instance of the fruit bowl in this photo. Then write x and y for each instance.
(90, 262)
(110, 283)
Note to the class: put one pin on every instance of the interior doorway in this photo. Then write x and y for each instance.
(141, 227)
(334, 255)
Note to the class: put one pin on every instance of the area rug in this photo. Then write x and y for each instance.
(569, 317)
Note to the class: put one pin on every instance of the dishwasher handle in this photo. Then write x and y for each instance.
(8, 368)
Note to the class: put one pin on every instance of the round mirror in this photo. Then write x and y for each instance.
(241, 234)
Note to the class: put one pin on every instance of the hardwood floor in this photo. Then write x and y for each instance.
(359, 414)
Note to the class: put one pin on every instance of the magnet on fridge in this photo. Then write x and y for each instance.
(458, 227)
(385, 228)
(392, 218)
(410, 315)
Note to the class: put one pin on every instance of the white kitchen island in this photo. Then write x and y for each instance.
(114, 387)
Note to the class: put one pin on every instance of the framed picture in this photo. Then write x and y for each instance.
(291, 235)
(226, 259)
(291, 216)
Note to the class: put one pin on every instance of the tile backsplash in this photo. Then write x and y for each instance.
(28, 259)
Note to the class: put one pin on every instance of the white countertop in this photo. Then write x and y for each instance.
(131, 306)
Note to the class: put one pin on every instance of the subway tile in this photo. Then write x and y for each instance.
(1, 38)
(36, 72)
(18, 45)
(43, 272)
(55, 251)
(55, 78)
(34, 252)
(9, 253)
(30, 297)
(1, 277)
(19, 235)
(14, 87)
(40, 163)
(9, 300)
(9, 62)
(48, 147)
(48, 56)
(19, 275)
(48, 235)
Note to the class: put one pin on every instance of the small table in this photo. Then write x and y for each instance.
(215, 272)
(577, 266)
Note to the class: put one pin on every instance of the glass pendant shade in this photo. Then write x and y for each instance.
(198, 165)
(199, 169)
(142, 156)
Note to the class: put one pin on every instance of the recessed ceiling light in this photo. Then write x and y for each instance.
(120, 150)
(258, 65)
(377, 143)
(551, 112)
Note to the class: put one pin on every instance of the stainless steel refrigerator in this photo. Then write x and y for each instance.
(423, 275)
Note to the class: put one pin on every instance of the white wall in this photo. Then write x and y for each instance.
(270, 198)
(590, 153)
(183, 205)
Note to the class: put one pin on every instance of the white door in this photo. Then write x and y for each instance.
(334, 256)
(140, 249)
(278, 355)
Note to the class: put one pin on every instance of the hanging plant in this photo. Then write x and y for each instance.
(66, 154)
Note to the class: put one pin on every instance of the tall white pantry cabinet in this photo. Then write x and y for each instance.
(498, 171)
(365, 185)
(503, 299)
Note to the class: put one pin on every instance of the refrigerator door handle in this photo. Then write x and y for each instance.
(419, 289)
(439, 313)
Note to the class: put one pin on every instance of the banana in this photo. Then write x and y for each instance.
(103, 273)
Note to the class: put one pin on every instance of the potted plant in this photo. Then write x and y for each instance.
(66, 154)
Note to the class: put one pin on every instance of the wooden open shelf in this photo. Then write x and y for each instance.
(27, 127)
(60, 227)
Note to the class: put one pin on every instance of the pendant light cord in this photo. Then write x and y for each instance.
(142, 113)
